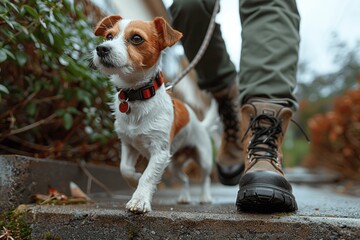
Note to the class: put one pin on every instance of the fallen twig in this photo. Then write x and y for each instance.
(82, 165)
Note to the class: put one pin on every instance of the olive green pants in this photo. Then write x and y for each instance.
(270, 45)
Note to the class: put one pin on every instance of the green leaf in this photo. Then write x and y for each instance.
(68, 121)
(51, 16)
(2, 10)
(3, 55)
(42, 23)
(12, 5)
(21, 58)
(4, 89)
(69, 4)
(24, 29)
(69, 93)
(35, 40)
(38, 85)
(63, 61)
(5, 32)
(10, 54)
(31, 109)
(51, 38)
(31, 11)
(9, 23)
(72, 110)
(42, 7)
(84, 96)
(60, 112)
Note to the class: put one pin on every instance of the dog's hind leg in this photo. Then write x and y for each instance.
(129, 157)
(205, 162)
(176, 168)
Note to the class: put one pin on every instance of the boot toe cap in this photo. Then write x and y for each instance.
(264, 178)
(265, 191)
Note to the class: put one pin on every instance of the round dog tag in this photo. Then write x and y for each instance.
(122, 95)
(124, 107)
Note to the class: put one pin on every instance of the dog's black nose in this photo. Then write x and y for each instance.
(102, 51)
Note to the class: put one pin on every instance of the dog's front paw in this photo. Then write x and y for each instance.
(137, 205)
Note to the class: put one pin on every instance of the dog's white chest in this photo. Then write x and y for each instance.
(148, 123)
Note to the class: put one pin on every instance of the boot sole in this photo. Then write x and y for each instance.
(265, 198)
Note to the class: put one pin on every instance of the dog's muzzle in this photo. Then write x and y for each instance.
(102, 51)
(104, 55)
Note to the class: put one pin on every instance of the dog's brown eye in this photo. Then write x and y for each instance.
(109, 37)
(136, 39)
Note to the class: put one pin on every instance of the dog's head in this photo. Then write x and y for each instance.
(131, 46)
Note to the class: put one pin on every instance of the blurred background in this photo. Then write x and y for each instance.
(52, 105)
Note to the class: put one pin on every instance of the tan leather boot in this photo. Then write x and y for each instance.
(230, 161)
(263, 186)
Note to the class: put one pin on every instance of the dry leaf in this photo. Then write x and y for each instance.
(76, 192)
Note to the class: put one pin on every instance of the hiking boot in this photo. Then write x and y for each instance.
(263, 187)
(230, 164)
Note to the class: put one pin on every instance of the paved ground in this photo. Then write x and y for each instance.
(322, 214)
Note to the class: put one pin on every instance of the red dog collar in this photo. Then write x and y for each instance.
(143, 93)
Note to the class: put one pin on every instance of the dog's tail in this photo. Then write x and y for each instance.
(211, 120)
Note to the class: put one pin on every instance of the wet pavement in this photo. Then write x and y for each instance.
(314, 201)
(322, 214)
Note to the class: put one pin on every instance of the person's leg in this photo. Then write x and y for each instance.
(192, 17)
(267, 78)
(270, 46)
(217, 74)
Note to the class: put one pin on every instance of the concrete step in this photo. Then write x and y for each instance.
(21, 177)
(322, 214)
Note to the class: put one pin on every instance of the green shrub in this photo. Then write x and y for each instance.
(51, 103)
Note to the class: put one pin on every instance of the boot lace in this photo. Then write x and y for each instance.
(264, 141)
(229, 117)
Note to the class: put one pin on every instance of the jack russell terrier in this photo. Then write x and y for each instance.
(149, 121)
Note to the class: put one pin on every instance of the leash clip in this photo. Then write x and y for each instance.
(169, 86)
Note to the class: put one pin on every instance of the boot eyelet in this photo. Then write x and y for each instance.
(252, 160)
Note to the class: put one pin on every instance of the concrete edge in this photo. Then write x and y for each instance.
(117, 223)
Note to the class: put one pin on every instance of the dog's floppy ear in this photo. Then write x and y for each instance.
(106, 23)
(168, 36)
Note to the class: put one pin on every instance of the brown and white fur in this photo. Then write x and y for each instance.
(155, 128)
